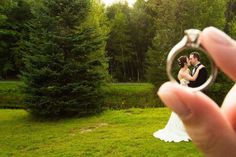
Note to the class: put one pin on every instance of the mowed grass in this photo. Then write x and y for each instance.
(112, 133)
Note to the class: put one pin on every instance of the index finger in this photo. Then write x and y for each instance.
(221, 48)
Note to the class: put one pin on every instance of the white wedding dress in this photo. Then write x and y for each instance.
(174, 130)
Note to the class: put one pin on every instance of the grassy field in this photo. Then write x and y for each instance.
(112, 133)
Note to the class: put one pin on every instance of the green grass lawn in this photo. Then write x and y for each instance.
(111, 133)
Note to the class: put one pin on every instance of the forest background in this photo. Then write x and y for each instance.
(133, 42)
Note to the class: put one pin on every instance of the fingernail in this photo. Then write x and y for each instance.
(218, 36)
(172, 100)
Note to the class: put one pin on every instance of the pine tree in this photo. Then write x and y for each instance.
(65, 64)
(13, 17)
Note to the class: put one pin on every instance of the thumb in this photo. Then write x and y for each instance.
(202, 118)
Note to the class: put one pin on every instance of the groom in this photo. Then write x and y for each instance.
(194, 59)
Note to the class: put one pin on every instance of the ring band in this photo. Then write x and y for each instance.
(190, 40)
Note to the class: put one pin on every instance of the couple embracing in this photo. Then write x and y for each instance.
(197, 77)
(174, 130)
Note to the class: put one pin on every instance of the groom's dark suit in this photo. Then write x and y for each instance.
(201, 78)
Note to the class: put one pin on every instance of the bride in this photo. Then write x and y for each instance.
(174, 130)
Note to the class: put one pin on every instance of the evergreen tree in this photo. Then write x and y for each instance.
(13, 17)
(65, 64)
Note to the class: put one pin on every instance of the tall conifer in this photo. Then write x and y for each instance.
(65, 63)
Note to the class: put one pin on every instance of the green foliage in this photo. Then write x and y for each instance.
(65, 63)
(140, 38)
(112, 133)
(143, 30)
(171, 23)
(119, 47)
(190, 14)
(13, 17)
(132, 30)
(220, 88)
(230, 27)
(165, 37)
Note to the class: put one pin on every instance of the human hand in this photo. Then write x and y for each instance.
(212, 129)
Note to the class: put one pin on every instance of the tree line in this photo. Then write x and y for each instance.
(139, 37)
(64, 50)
